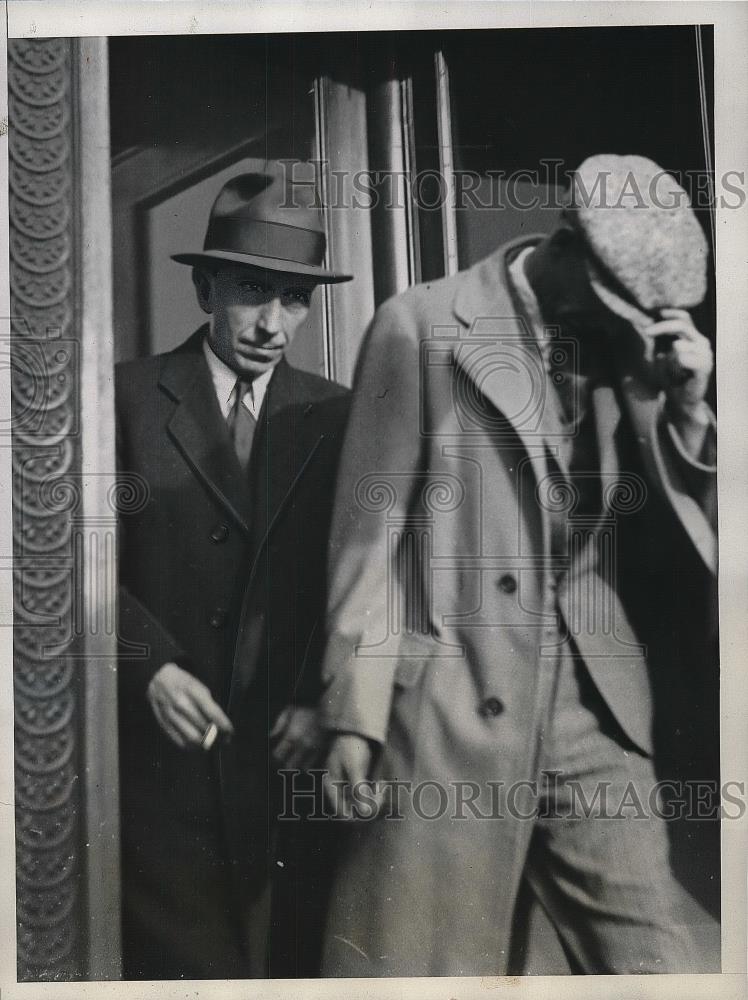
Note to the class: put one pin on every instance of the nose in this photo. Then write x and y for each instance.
(271, 316)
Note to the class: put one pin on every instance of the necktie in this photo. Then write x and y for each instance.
(241, 424)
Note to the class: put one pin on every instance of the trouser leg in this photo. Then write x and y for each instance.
(605, 878)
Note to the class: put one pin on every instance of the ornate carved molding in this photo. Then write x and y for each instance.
(45, 383)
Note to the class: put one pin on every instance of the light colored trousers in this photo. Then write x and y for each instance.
(605, 883)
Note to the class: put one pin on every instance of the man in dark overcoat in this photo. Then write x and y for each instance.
(522, 558)
(222, 574)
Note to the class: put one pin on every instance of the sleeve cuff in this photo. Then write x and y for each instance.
(359, 692)
(707, 460)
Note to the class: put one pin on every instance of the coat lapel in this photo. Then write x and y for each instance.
(199, 431)
(509, 376)
(501, 357)
(644, 406)
(287, 438)
(607, 420)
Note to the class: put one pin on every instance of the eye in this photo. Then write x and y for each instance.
(297, 297)
(253, 287)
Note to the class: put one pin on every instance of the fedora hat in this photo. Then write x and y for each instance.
(264, 220)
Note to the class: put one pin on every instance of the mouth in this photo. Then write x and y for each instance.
(258, 351)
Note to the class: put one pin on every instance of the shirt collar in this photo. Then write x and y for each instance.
(527, 297)
(224, 383)
(596, 362)
(571, 404)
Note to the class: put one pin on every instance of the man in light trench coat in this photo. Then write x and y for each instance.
(521, 559)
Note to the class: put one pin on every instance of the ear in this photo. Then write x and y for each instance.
(203, 280)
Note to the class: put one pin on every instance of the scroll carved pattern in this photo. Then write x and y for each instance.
(43, 360)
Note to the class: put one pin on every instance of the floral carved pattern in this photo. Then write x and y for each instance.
(45, 376)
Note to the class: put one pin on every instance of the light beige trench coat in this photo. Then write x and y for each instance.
(445, 607)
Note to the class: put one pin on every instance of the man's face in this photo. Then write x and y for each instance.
(254, 314)
(576, 308)
(571, 303)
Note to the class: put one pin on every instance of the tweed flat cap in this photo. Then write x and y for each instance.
(645, 242)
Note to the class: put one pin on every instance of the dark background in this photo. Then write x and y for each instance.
(518, 97)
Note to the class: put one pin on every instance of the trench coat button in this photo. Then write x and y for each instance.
(219, 533)
(491, 707)
(507, 584)
(218, 618)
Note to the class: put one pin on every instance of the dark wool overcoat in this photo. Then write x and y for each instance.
(222, 572)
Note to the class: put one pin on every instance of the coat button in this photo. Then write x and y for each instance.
(507, 584)
(219, 533)
(218, 618)
(491, 707)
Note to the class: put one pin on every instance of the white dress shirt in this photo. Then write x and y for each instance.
(224, 382)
